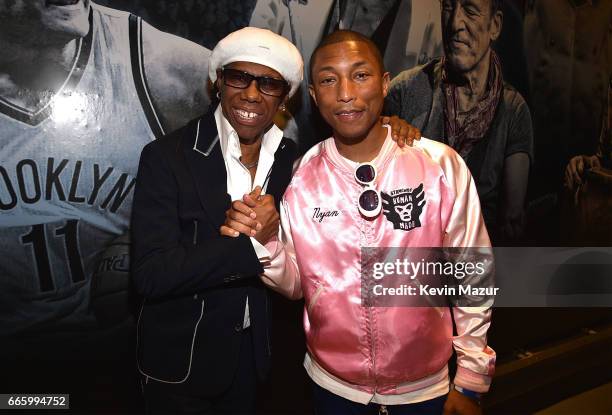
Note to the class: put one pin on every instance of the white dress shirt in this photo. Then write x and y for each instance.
(238, 176)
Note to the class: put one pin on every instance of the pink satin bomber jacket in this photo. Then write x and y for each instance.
(386, 350)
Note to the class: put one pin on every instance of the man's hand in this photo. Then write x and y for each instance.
(255, 216)
(401, 132)
(459, 404)
(574, 172)
(240, 218)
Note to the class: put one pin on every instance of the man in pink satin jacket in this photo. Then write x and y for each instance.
(373, 359)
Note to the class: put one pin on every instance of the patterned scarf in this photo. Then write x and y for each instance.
(462, 137)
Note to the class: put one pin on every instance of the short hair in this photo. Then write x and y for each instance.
(345, 36)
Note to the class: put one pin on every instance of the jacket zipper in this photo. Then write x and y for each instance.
(195, 231)
(372, 345)
(366, 233)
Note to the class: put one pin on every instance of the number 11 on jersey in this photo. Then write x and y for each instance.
(38, 240)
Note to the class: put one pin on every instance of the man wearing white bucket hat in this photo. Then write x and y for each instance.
(203, 336)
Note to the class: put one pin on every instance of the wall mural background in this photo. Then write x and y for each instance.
(79, 100)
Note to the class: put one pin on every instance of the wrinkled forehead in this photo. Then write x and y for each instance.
(486, 6)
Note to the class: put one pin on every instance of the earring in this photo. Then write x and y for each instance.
(283, 107)
(219, 95)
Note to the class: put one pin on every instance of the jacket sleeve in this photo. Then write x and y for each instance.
(163, 263)
(281, 273)
(466, 229)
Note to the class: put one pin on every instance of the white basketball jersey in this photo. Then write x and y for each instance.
(67, 175)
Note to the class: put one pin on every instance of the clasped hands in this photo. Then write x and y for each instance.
(255, 216)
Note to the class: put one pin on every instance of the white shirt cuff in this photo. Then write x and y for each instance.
(262, 253)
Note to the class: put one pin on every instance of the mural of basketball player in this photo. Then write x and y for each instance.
(82, 89)
(408, 33)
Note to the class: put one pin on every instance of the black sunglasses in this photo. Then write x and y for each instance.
(265, 84)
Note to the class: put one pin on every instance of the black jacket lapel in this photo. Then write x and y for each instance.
(205, 162)
(282, 169)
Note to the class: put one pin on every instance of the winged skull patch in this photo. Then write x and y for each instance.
(403, 207)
